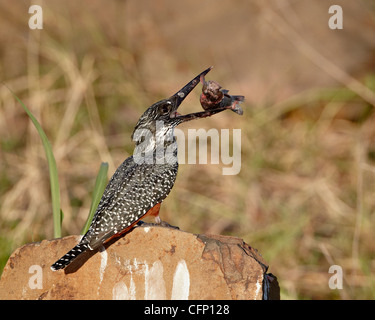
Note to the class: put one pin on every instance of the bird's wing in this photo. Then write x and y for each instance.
(132, 191)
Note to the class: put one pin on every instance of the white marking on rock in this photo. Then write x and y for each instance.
(258, 288)
(103, 262)
(132, 290)
(120, 291)
(154, 282)
(181, 282)
(146, 229)
(136, 264)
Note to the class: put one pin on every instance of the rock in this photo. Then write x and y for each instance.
(147, 263)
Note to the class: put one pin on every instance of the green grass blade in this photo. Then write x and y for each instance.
(54, 180)
(100, 184)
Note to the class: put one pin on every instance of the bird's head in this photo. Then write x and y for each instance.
(165, 111)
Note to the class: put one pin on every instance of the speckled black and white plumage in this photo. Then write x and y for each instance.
(133, 190)
(143, 180)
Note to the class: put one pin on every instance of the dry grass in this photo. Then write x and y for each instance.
(304, 196)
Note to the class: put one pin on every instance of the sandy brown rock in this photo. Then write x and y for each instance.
(148, 263)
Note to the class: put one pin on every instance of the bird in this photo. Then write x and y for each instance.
(213, 96)
(141, 183)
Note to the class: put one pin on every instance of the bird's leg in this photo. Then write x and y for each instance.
(158, 222)
(162, 223)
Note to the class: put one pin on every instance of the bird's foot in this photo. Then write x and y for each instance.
(159, 223)
(167, 225)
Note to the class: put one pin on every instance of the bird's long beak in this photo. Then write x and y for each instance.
(179, 96)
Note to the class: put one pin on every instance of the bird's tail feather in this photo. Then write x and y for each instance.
(70, 256)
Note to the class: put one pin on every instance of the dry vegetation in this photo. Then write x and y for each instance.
(305, 193)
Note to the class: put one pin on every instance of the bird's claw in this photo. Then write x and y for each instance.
(161, 224)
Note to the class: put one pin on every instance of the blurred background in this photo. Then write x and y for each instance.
(305, 194)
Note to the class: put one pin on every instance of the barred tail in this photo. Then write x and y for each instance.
(70, 256)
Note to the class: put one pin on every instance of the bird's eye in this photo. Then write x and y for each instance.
(165, 108)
